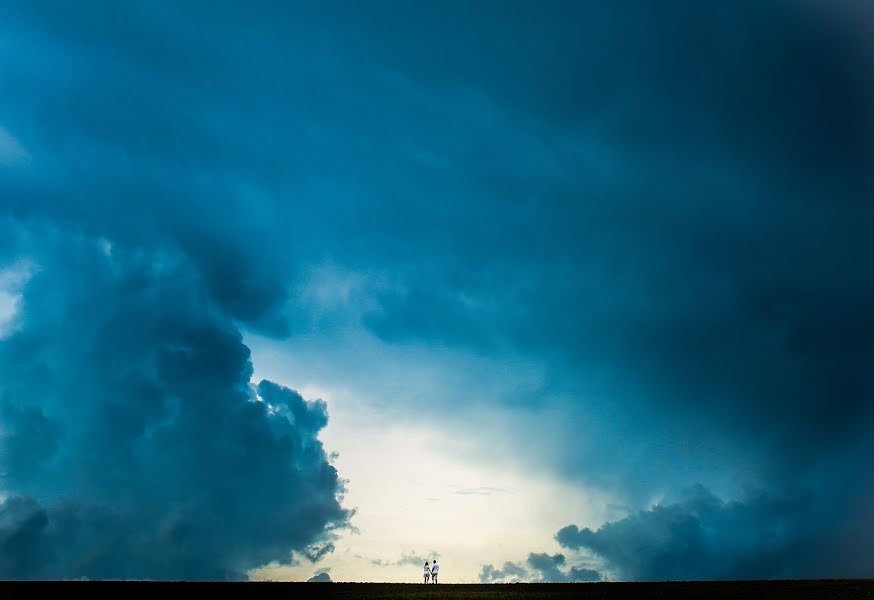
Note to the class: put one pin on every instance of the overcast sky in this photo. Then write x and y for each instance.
(546, 291)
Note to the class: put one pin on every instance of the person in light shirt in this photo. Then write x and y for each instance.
(427, 572)
(434, 570)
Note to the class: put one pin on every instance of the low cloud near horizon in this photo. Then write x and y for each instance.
(538, 567)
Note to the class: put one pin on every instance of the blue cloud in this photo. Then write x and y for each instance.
(539, 567)
(510, 571)
(133, 445)
(704, 537)
(663, 209)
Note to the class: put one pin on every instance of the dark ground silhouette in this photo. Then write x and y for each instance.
(710, 590)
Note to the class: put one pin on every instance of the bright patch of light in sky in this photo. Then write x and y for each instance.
(12, 280)
(12, 153)
(418, 491)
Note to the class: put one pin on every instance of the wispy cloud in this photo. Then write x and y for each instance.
(482, 491)
(12, 153)
(406, 559)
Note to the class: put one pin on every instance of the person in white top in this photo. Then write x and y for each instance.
(434, 570)
(427, 572)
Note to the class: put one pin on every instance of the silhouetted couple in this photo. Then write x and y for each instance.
(432, 571)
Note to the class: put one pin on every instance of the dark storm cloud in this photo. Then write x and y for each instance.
(664, 204)
(688, 249)
(132, 446)
(539, 567)
(703, 537)
(510, 570)
(318, 552)
(583, 574)
(309, 417)
(548, 567)
(694, 263)
(700, 537)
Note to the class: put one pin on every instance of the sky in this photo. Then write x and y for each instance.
(546, 291)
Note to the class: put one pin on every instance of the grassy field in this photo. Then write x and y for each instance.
(746, 590)
(603, 591)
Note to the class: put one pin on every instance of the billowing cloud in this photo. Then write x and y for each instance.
(317, 552)
(132, 444)
(704, 537)
(662, 212)
(509, 572)
(539, 567)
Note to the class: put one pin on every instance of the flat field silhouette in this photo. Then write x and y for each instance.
(708, 590)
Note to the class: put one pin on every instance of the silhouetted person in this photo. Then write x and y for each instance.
(427, 572)
(434, 570)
